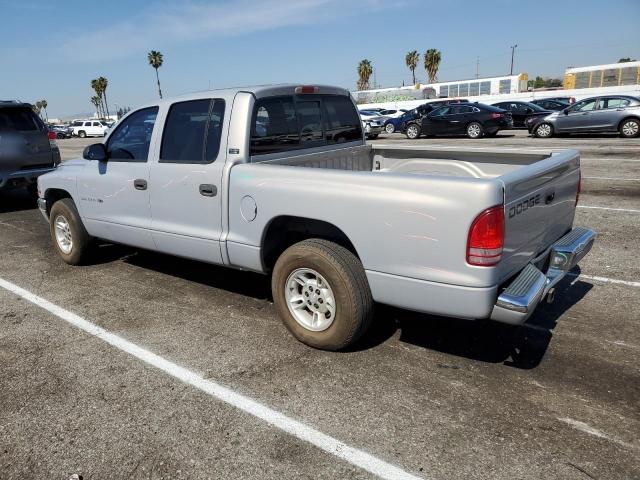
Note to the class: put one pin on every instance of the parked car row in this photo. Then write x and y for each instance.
(542, 118)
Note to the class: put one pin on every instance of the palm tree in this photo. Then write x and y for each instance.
(37, 107)
(365, 69)
(43, 104)
(103, 82)
(95, 100)
(412, 59)
(432, 59)
(95, 84)
(155, 60)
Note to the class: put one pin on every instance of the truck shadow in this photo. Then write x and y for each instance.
(521, 347)
(16, 200)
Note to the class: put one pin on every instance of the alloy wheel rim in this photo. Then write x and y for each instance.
(473, 130)
(413, 131)
(62, 231)
(544, 130)
(389, 128)
(630, 129)
(310, 299)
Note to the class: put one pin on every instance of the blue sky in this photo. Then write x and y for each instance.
(52, 50)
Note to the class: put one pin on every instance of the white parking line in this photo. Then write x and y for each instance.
(605, 279)
(631, 210)
(616, 179)
(287, 424)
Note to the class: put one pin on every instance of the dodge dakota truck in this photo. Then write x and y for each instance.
(279, 180)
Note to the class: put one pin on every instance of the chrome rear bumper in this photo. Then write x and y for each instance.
(518, 301)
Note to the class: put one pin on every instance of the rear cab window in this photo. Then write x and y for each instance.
(286, 123)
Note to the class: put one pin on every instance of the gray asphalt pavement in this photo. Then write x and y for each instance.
(439, 398)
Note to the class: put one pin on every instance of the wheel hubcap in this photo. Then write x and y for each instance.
(630, 129)
(413, 132)
(390, 128)
(544, 130)
(474, 130)
(310, 299)
(63, 234)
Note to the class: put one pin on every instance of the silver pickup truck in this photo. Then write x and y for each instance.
(279, 180)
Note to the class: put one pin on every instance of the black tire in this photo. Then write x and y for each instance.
(82, 134)
(491, 134)
(544, 130)
(59, 136)
(373, 137)
(345, 275)
(81, 240)
(32, 189)
(629, 128)
(475, 130)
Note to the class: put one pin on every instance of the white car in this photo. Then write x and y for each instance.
(393, 113)
(89, 128)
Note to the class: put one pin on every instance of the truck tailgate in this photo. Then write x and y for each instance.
(540, 202)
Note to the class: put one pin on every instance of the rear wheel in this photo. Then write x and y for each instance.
(322, 295)
(390, 128)
(68, 233)
(475, 130)
(630, 128)
(544, 130)
(413, 131)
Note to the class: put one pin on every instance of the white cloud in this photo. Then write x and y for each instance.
(164, 24)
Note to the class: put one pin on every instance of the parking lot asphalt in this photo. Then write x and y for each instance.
(437, 398)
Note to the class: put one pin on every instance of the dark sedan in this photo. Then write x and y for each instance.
(553, 105)
(522, 112)
(473, 119)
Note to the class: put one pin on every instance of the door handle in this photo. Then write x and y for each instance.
(140, 184)
(208, 190)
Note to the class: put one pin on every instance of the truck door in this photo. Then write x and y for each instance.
(186, 181)
(113, 197)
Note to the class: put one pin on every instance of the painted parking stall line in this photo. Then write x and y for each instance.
(616, 281)
(354, 456)
(592, 207)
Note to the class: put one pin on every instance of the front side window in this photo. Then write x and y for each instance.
(342, 122)
(584, 106)
(440, 112)
(130, 141)
(97, 124)
(192, 132)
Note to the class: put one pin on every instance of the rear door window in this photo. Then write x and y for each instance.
(192, 132)
(606, 103)
(342, 122)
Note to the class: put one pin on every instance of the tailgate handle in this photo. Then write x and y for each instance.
(550, 198)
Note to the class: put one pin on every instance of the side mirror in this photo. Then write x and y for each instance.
(566, 111)
(97, 151)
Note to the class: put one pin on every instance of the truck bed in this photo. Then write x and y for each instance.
(538, 189)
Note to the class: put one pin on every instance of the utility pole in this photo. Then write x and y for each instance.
(478, 68)
(513, 49)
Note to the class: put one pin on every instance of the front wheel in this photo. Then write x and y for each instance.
(630, 128)
(390, 128)
(82, 134)
(475, 130)
(413, 131)
(322, 295)
(544, 130)
(68, 233)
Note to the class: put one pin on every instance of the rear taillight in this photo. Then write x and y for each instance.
(306, 89)
(486, 238)
(52, 139)
(496, 115)
(579, 187)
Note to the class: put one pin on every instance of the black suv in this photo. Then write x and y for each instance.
(473, 119)
(523, 113)
(27, 148)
